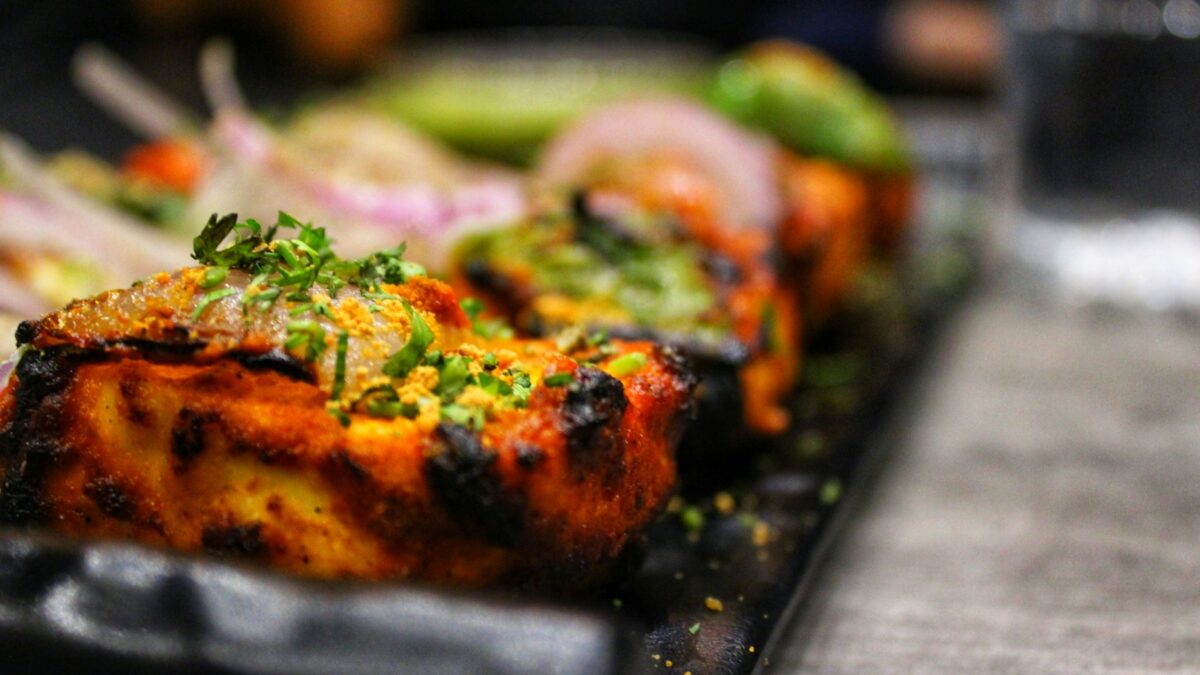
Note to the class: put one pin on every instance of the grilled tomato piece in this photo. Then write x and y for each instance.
(334, 418)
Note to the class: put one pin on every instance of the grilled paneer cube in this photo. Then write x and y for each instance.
(335, 419)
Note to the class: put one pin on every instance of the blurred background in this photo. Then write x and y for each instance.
(531, 64)
(288, 47)
(1065, 124)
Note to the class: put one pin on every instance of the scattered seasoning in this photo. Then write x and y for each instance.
(713, 604)
(210, 298)
(724, 503)
(558, 380)
(668, 663)
(761, 534)
(628, 364)
(675, 504)
(810, 444)
(831, 491)
(617, 603)
(750, 649)
(694, 628)
(570, 339)
(692, 518)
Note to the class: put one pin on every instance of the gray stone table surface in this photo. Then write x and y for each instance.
(1041, 513)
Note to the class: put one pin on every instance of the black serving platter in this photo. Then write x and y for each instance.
(709, 591)
(748, 539)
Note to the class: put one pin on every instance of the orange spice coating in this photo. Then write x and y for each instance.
(180, 433)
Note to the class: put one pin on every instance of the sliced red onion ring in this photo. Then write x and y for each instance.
(117, 88)
(243, 135)
(218, 78)
(742, 163)
(409, 209)
(415, 209)
(118, 244)
(29, 223)
(7, 366)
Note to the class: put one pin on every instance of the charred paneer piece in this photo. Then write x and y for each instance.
(635, 259)
(334, 418)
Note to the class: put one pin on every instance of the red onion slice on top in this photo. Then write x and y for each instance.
(741, 163)
(7, 366)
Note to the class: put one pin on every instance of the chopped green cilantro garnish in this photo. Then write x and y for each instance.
(453, 376)
(409, 356)
(558, 380)
(472, 418)
(213, 276)
(493, 328)
(210, 298)
(472, 306)
(295, 265)
(494, 385)
(341, 416)
(488, 328)
(384, 408)
(627, 364)
(306, 334)
(381, 402)
(302, 267)
(339, 369)
(694, 628)
(521, 387)
(770, 329)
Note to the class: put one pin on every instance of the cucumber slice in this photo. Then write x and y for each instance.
(503, 98)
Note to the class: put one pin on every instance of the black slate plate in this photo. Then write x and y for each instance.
(67, 606)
